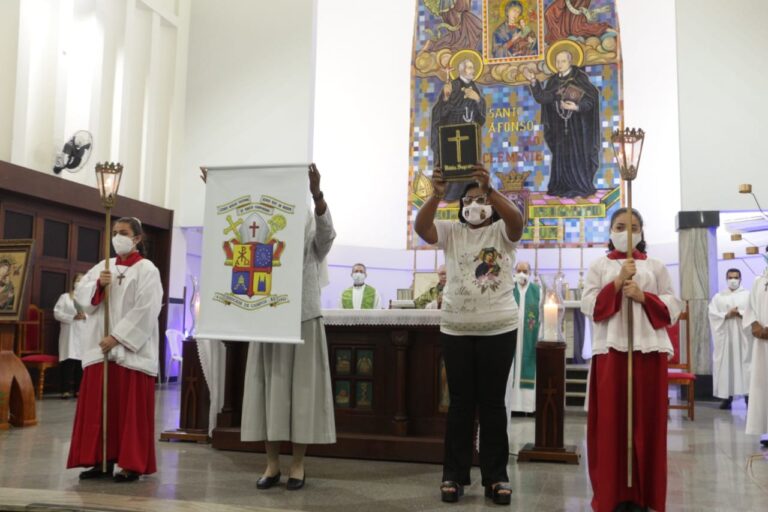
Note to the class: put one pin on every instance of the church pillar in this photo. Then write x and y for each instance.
(697, 235)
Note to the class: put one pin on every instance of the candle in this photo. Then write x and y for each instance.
(550, 320)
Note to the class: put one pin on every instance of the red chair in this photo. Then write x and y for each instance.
(31, 346)
(679, 373)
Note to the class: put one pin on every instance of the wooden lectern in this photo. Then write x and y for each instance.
(195, 399)
(17, 395)
(550, 408)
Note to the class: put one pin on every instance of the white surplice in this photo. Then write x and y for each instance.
(70, 330)
(757, 311)
(134, 306)
(732, 354)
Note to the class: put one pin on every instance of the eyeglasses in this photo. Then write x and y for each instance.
(481, 200)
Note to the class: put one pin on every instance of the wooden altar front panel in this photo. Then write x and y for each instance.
(395, 403)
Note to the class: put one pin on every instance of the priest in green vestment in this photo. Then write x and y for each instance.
(521, 385)
(433, 298)
(360, 295)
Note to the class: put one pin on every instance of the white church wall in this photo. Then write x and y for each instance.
(362, 108)
(722, 109)
(111, 68)
(9, 39)
(250, 90)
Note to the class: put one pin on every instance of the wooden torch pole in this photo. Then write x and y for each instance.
(105, 370)
(630, 348)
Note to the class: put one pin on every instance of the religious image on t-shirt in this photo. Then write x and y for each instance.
(487, 272)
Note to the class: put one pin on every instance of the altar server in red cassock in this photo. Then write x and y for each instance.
(135, 300)
(611, 281)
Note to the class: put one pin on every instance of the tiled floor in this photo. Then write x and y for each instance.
(713, 465)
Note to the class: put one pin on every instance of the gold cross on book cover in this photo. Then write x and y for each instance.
(459, 150)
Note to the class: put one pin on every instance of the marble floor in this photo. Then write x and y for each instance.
(713, 466)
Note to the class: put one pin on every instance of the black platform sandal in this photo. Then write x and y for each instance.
(495, 493)
(450, 491)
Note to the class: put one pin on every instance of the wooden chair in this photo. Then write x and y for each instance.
(31, 346)
(679, 373)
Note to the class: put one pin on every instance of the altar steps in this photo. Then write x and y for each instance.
(576, 376)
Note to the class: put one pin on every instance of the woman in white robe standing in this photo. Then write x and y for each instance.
(71, 319)
(287, 394)
(135, 301)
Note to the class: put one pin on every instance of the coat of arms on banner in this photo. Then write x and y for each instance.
(252, 248)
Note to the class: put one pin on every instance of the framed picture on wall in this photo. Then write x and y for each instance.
(15, 263)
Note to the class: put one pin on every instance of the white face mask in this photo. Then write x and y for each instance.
(521, 278)
(122, 244)
(358, 278)
(620, 240)
(733, 284)
(476, 214)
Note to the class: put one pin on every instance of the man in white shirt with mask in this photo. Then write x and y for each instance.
(360, 295)
(733, 348)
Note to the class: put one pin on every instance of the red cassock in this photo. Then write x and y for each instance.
(607, 417)
(130, 420)
(130, 413)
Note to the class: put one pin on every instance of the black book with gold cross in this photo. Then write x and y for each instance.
(459, 150)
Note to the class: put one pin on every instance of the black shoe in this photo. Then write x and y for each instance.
(96, 472)
(125, 476)
(764, 443)
(450, 491)
(266, 482)
(498, 497)
(725, 405)
(294, 484)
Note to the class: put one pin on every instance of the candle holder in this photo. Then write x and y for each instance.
(552, 308)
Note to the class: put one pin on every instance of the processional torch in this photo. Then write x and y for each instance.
(108, 179)
(627, 149)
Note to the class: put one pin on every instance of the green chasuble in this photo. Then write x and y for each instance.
(530, 325)
(428, 296)
(369, 298)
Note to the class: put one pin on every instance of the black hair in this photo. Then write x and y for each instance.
(365, 269)
(137, 231)
(732, 270)
(469, 187)
(640, 246)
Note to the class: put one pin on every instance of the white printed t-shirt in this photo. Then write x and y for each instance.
(478, 299)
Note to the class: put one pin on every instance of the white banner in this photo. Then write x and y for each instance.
(253, 254)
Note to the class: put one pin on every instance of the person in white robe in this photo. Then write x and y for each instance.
(287, 392)
(132, 349)
(755, 322)
(71, 321)
(521, 384)
(732, 354)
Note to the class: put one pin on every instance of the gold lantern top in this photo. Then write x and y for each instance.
(108, 180)
(627, 148)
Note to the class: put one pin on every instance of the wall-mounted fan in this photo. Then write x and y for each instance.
(75, 152)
